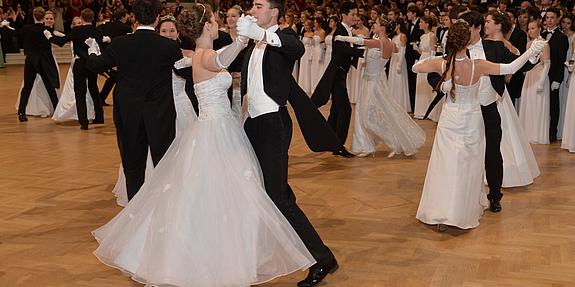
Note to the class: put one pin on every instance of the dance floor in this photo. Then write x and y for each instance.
(56, 187)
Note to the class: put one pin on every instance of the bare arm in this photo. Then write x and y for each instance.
(428, 66)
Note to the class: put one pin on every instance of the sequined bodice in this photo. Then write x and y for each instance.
(212, 96)
(375, 63)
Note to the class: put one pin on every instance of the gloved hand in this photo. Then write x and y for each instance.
(537, 46)
(398, 71)
(349, 39)
(569, 64)
(184, 62)
(555, 86)
(539, 89)
(247, 26)
(106, 39)
(93, 47)
(47, 34)
(58, 33)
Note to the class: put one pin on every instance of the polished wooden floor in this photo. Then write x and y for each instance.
(56, 183)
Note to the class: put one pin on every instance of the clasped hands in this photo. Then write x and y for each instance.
(247, 27)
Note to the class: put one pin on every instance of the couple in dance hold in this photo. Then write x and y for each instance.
(453, 189)
(207, 215)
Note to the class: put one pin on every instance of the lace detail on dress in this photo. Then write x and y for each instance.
(212, 96)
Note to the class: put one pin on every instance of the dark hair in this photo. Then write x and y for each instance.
(457, 39)
(191, 21)
(164, 19)
(402, 26)
(553, 10)
(570, 17)
(415, 10)
(87, 15)
(346, 6)
(146, 11)
(501, 19)
(473, 18)
(429, 20)
(119, 14)
(280, 5)
(39, 13)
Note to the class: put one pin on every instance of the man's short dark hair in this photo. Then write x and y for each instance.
(280, 5)
(119, 14)
(415, 10)
(87, 15)
(473, 18)
(553, 10)
(146, 11)
(346, 6)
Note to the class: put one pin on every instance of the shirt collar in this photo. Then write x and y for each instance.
(346, 27)
(273, 28)
(476, 45)
(552, 30)
(145, 27)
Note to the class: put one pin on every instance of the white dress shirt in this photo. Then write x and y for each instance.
(487, 94)
(258, 101)
(144, 27)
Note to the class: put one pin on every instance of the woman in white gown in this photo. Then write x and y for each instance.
(568, 135)
(184, 111)
(519, 165)
(66, 109)
(423, 91)
(39, 103)
(453, 189)
(318, 52)
(204, 218)
(378, 117)
(304, 75)
(397, 75)
(567, 25)
(534, 108)
(355, 74)
(329, 42)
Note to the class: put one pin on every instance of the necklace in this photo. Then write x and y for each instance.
(461, 59)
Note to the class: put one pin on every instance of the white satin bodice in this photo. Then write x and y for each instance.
(212, 96)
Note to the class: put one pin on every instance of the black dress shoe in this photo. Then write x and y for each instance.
(552, 138)
(317, 273)
(84, 127)
(494, 205)
(22, 118)
(104, 104)
(343, 152)
(97, 121)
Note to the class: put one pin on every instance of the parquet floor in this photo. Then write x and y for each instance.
(56, 182)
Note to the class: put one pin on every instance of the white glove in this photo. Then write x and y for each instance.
(537, 46)
(247, 26)
(349, 39)
(184, 62)
(106, 39)
(59, 34)
(47, 34)
(539, 89)
(555, 86)
(93, 47)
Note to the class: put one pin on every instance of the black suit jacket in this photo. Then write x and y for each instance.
(144, 81)
(518, 39)
(114, 29)
(279, 84)
(78, 36)
(342, 57)
(38, 51)
(412, 55)
(558, 44)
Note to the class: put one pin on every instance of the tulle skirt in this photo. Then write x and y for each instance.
(203, 218)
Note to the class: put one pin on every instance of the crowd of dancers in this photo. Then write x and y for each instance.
(203, 129)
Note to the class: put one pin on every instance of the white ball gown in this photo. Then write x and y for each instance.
(304, 75)
(564, 90)
(317, 61)
(423, 91)
(453, 190)
(328, 48)
(568, 139)
(534, 109)
(519, 164)
(378, 117)
(397, 76)
(66, 109)
(39, 103)
(203, 217)
(185, 114)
